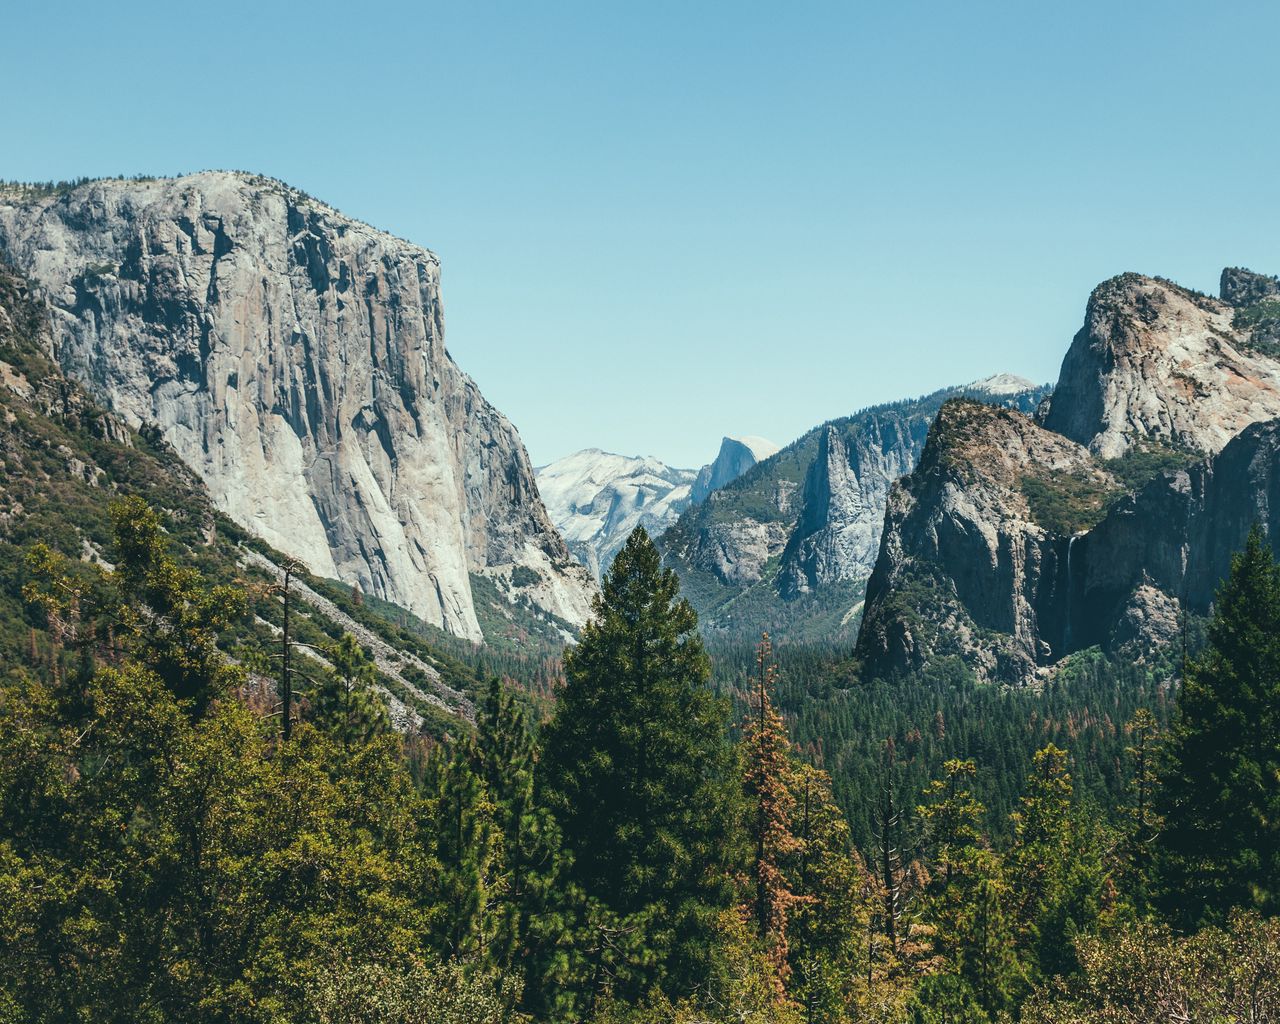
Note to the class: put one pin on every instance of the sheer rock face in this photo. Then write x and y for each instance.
(845, 493)
(1154, 360)
(802, 528)
(736, 456)
(295, 359)
(963, 567)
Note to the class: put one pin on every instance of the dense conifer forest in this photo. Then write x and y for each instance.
(176, 843)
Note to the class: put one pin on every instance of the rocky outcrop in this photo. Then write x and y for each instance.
(736, 456)
(597, 499)
(1015, 544)
(1154, 360)
(790, 544)
(295, 360)
(1241, 287)
(964, 566)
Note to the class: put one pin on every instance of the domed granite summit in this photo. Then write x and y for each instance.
(295, 359)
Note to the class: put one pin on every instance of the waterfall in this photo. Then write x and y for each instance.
(1066, 640)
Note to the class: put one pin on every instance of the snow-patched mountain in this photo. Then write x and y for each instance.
(597, 498)
(295, 359)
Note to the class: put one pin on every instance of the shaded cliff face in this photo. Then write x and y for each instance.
(295, 360)
(1157, 361)
(736, 456)
(966, 567)
(1014, 544)
(790, 544)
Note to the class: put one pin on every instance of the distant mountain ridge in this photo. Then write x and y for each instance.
(597, 498)
(789, 545)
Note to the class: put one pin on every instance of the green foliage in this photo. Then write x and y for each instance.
(344, 702)
(1146, 460)
(1229, 975)
(639, 772)
(417, 992)
(1066, 503)
(1220, 798)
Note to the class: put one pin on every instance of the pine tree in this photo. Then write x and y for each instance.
(966, 898)
(1142, 826)
(639, 771)
(832, 915)
(1056, 863)
(767, 782)
(1220, 791)
(464, 838)
(891, 874)
(345, 702)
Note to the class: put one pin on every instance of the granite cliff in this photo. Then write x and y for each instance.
(788, 546)
(295, 360)
(1105, 520)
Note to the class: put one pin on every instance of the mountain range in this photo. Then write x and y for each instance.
(292, 361)
(788, 546)
(1109, 517)
(596, 499)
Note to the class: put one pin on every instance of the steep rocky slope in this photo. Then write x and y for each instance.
(966, 566)
(1154, 360)
(736, 456)
(790, 544)
(295, 359)
(64, 460)
(1015, 543)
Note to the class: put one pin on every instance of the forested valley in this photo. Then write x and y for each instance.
(644, 842)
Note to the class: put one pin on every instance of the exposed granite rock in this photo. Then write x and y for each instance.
(964, 567)
(295, 359)
(736, 456)
(801, 530)
(1242, 287)
(1154, 360)
(968, 566)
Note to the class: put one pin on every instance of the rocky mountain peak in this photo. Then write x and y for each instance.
(736, 456)
(1157, 361)
(1242, 287)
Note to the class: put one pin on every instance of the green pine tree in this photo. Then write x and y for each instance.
(345, 702)
(640, 773)
(1220, 786)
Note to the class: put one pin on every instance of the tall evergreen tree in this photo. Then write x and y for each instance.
(767, 779)
(345, 702)
(639, 770)
(1220, 792)
(832, 916)
(1056, 862)
(967, 899)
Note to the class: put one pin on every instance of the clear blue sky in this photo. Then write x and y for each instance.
(664, 222)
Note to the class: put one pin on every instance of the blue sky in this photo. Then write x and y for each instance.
(664, 222)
